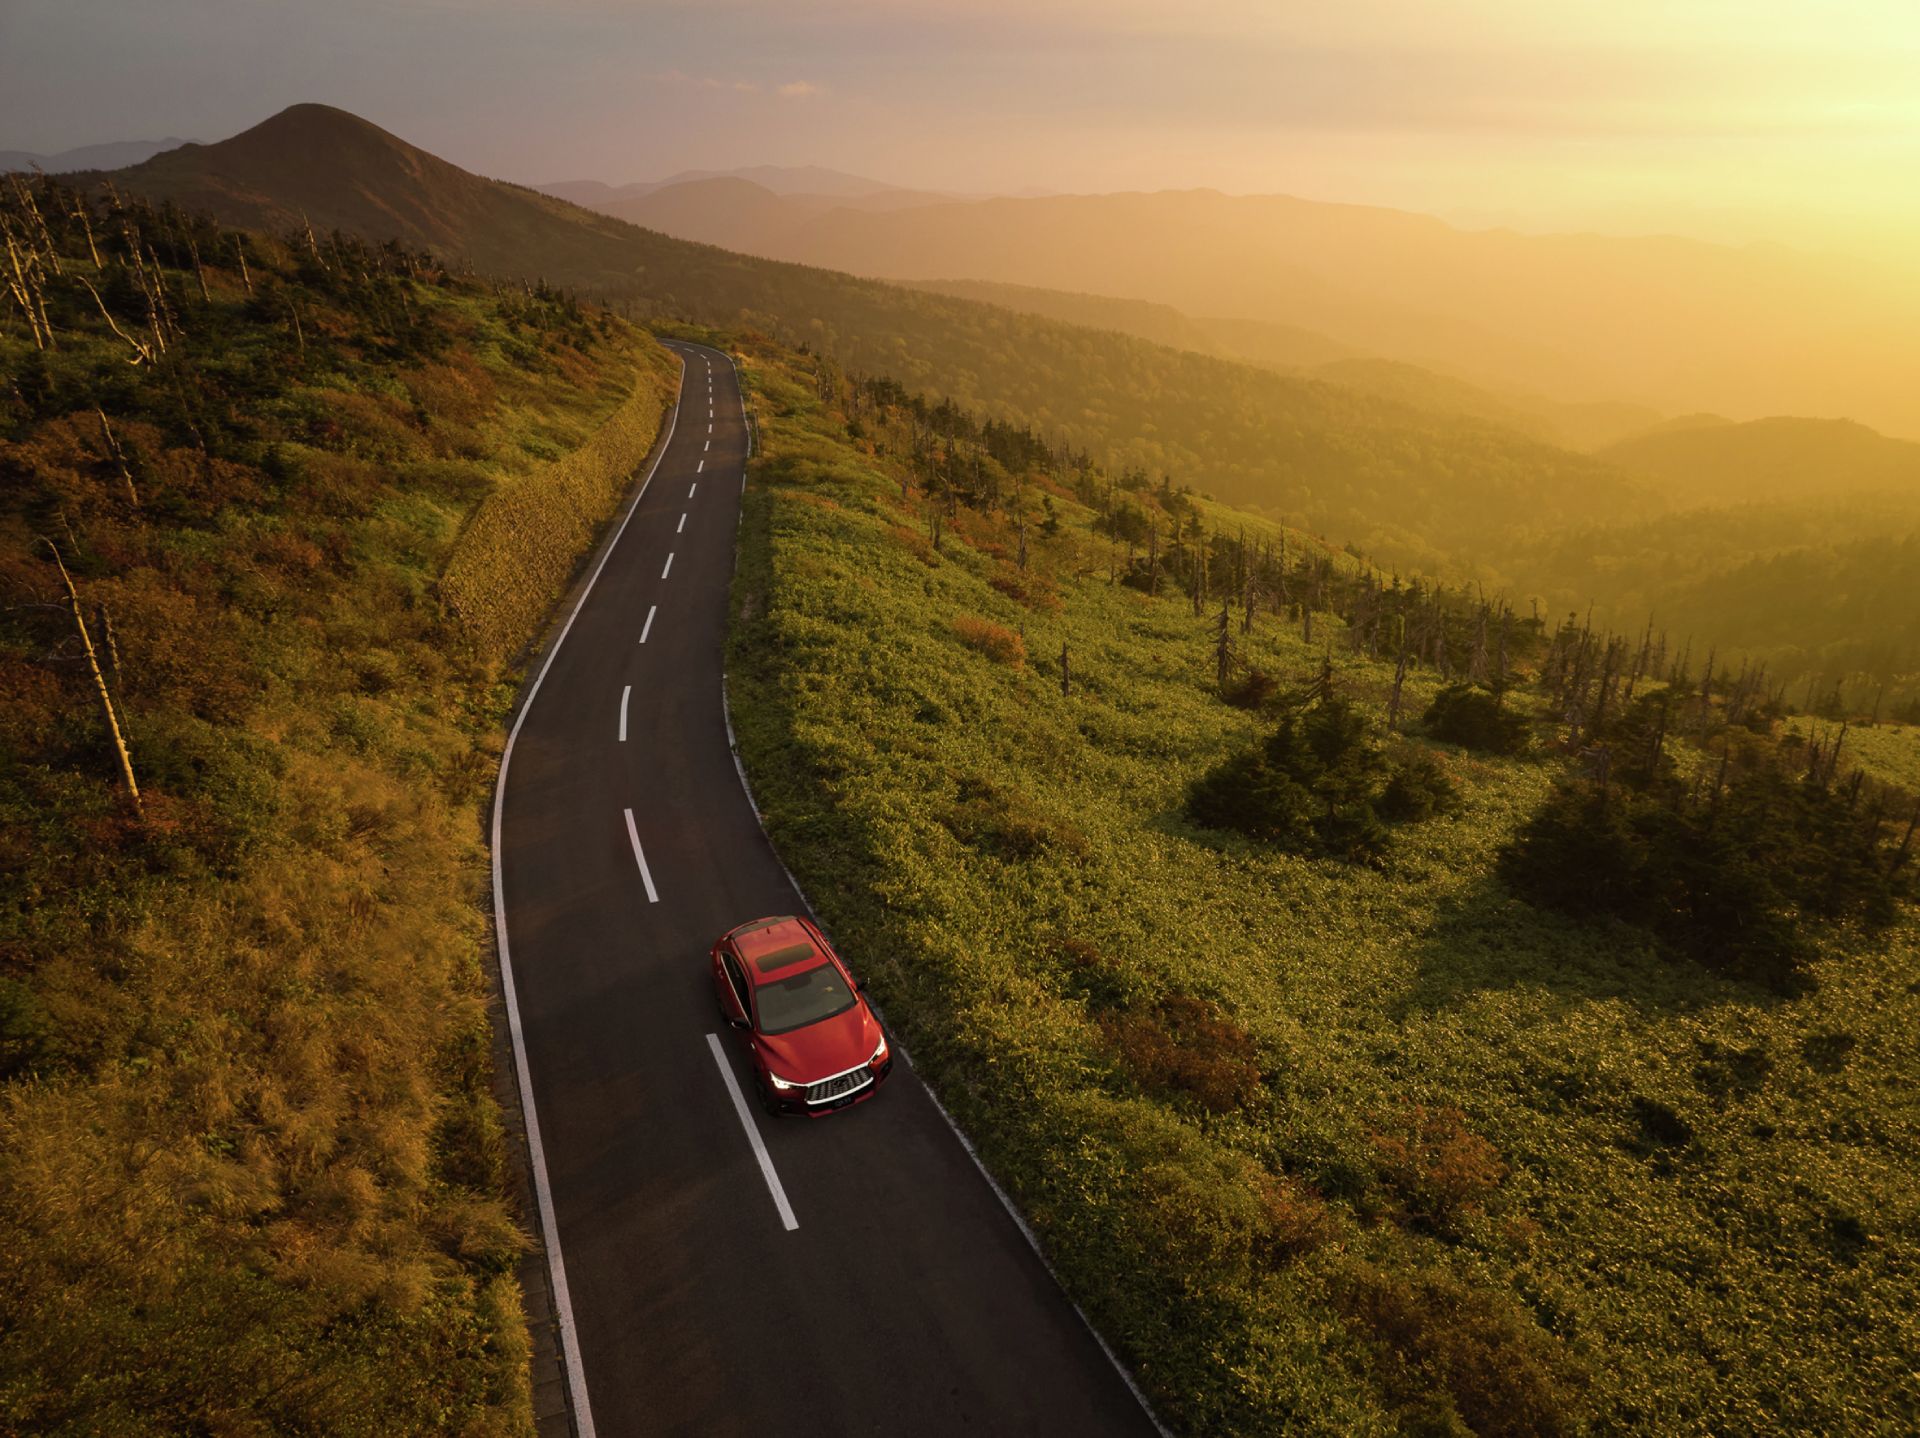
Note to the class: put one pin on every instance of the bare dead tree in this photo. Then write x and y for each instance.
(1399, 679)
(199, 270)
(99, 679)
(143, 353)
(83, 212)
(118, 455)
(1223, 645)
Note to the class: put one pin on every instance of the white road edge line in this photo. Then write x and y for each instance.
(753, 1134)
(640, 858)
(647, 628)
(681, 527)
(668, 567)
(542, 1186)
(625, 695)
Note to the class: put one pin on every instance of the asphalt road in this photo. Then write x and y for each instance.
(905, 1300)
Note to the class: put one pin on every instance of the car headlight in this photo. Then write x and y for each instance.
(879, 1050)
(781, 1084)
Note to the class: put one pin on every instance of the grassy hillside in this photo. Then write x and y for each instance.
(1320, 1146)
(251, 1165)
(1416, 488)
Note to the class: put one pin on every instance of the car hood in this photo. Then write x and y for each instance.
(819, 1050)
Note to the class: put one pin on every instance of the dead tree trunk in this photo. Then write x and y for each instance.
(1399, 678)
(1223, 646)
(99, 679)
(119, 456)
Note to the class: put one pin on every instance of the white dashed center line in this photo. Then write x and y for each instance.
(681, 527)
(640, 858)
(691, 488)
(625, 695)
(647, 628)
(669, 566)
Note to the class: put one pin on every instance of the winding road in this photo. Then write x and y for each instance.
(717, 1271)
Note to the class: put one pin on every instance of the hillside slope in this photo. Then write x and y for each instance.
(252, 1170)
(1413, 487)
(1323, 1147)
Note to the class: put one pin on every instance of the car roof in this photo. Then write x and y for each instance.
(777, 949)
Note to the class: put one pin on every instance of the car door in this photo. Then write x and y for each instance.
(735, 1000)
(724, 993)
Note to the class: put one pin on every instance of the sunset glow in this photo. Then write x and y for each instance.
(1770, 119)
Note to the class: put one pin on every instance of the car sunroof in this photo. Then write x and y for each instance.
(782, 958)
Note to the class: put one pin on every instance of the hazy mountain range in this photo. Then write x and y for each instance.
(110, 156)
(807, 181)
(1663, 323)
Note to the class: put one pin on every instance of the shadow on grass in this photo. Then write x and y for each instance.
(1486, 939)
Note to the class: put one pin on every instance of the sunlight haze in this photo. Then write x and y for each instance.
(1768, 120)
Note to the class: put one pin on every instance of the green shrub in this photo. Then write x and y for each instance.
(1475, 719)
(1253, 690)
(1312, 787)
(1418, 788)
(1730, 881)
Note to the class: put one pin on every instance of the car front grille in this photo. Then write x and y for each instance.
(839, 1086)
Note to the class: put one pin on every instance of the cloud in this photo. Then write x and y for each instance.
(791, 90)
(706, 82)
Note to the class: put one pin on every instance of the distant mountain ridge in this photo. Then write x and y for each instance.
(1782, 457)
(1668, 324)
(779, 179)
(112, 155)
(1292, 350)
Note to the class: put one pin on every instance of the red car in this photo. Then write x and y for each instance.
(816, 1046)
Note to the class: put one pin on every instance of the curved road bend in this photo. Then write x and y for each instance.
(904, 1300)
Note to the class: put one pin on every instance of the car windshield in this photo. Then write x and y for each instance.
(801, 999)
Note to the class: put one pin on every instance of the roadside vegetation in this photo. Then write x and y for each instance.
(1326, 1136)
(252, 1171)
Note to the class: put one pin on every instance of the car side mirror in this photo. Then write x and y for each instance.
(736, 1023)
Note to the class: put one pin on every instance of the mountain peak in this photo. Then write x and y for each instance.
(312, 127)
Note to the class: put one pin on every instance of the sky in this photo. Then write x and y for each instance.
(1742, 120)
